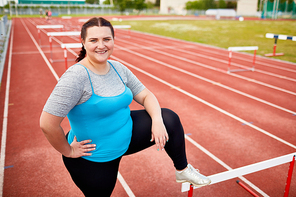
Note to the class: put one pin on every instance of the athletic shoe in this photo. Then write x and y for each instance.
(192, 176)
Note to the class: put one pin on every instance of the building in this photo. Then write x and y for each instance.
(247, 7)
(173, 6)
(51, 2)
(5, 2)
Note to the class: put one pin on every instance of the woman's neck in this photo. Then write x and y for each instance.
(100, 69)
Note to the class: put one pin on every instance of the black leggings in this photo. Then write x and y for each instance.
(98, 179)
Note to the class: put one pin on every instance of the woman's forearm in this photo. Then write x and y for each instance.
(58, 141)
(159, 133)
(152, 106)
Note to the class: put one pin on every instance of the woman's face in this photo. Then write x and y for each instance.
(98, 44)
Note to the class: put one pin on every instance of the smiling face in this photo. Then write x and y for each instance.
(99, 44)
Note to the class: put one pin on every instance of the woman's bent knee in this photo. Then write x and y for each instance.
(171, 120)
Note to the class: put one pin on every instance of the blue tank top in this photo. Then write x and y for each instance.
(104, 120)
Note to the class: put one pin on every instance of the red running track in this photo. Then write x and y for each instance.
(241, 118)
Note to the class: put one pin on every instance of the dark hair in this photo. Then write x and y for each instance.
(95, 21)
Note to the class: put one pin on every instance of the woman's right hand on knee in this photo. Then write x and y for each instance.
(82, 148)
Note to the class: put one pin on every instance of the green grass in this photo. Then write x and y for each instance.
(226, 33)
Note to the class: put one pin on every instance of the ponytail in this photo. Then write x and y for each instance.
(81, 55)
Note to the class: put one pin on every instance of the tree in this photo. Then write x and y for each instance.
(150, 5)
(140, 5)
(200, 5)
(92, 1)
(194, 5)
(157, 3)
(209, 4)
(121, 5)
(221, 4)
(231, 5)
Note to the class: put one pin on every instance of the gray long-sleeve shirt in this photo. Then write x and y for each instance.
(74, 87)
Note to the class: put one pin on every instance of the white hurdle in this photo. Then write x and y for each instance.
(47, 27)
(123, 27)
(66, 17)
(68, 46)
(280, 37)
(83, 20)
(63, 33)
(247, 48)
(223, 176)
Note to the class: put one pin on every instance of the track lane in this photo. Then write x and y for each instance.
(211, 139)
(207, 49)
(240, 106)
(203, 59)
(223, 71)
(211, 78)
(164, 101)
(27, 150)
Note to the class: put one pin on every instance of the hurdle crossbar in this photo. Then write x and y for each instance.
(49, 26)
(227, 175)
(83, 20)
(46, 27)
(123, 27)
(68, 46)
(66, 17)
(63, 33)
(276, 37)
(245, 48)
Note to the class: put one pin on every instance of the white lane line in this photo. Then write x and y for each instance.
(188, 138)
(29, 52)
(41, 52)
(220, 160)
(207, 103)
(206, 49)
(5, 114)
(217, 69)
(250, 60)
(242, 66)
(205, 79)
(125, 185)
(224, 164)
(221, 70)
(122, 181)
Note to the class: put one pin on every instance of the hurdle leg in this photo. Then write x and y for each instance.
(246, 188)
(286, 194)
(50, 47)
(229, 61)
(39, 36)
(65, 55)
(274, 50)
(190, 192)
(254, 59)
(274, 46)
